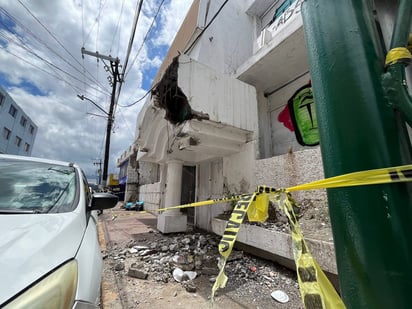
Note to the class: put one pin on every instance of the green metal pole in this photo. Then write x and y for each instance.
(359, 131)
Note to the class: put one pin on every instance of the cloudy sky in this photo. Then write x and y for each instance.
(43, 70)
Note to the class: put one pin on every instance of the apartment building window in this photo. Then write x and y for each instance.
(1, 99)
(26, 147)
(282, 8)
(18, 141)
(13, 111)
(31, 129)
(6, 133)
(23, 121)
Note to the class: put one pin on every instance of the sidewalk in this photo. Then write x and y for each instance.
(118, 227)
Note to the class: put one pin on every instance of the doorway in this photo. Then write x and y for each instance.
(189, 192)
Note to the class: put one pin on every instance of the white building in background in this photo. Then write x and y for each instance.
(18, 131)
(214, 125)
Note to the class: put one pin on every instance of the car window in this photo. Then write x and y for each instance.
(37, 187)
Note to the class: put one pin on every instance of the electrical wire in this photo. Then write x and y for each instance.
(97, 18)
(52, 35)
(117, 26)
(129, 49)
(29, 48)
(145, 38)
(205, 28)
(140, 99)
(74, 87)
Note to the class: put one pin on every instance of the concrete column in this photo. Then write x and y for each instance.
(172, 221)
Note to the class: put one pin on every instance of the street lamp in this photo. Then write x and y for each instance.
(108, 133)
(82, 97)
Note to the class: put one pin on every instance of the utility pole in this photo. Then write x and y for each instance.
(359, 130)
(99, 171)
(114, 80)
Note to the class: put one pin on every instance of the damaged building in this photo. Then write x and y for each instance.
(217, 121)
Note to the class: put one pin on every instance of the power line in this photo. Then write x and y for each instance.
(205, 28)
(97, 19)
(145, 38)
(117, 25)
(129, 48)
(53, 36)
(140, 99)
(38, 39)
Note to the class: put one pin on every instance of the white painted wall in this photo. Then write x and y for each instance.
(209, 186)
(238, 171)
(224, 98)
(224, 50)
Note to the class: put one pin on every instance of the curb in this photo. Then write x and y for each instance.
(110, 297)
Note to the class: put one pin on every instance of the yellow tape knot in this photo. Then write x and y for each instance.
(398, 54)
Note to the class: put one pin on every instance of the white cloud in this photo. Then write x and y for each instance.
(66, 131)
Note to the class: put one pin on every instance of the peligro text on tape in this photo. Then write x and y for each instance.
(229, 238)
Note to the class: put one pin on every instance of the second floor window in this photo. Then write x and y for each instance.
(26, 147)
(18, 141)
(23, 121)
(31, 129)
(6, 133)
(1, 99)
(13, 111)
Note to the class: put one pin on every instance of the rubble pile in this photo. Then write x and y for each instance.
(186, 258)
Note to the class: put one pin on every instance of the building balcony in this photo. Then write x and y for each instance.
(279, 52)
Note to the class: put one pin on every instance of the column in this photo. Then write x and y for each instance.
(172, 221)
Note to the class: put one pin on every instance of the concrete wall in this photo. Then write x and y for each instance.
(293, 169)
(132, 180)
(148, 172)
(150, 194)
(238, 171)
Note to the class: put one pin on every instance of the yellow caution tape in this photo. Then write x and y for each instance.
(229, 237)
(372, 177)
(315, 288)
(204, 203)
(398, 54)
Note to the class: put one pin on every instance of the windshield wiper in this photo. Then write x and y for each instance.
(19, 211)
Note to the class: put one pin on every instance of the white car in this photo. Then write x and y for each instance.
(49, 250)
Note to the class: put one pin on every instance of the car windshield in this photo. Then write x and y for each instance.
(33, 187)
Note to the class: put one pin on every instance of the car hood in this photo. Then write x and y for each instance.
(33, 245)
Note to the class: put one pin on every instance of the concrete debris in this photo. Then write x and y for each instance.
(187, 258)
(136, 272)
(190, 287)
(119, 266)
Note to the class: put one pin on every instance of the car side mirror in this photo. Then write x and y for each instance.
(102, 200)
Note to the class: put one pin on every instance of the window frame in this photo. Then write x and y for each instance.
(13, 111)
(23, 121)
(6, 133)
(18, 141)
